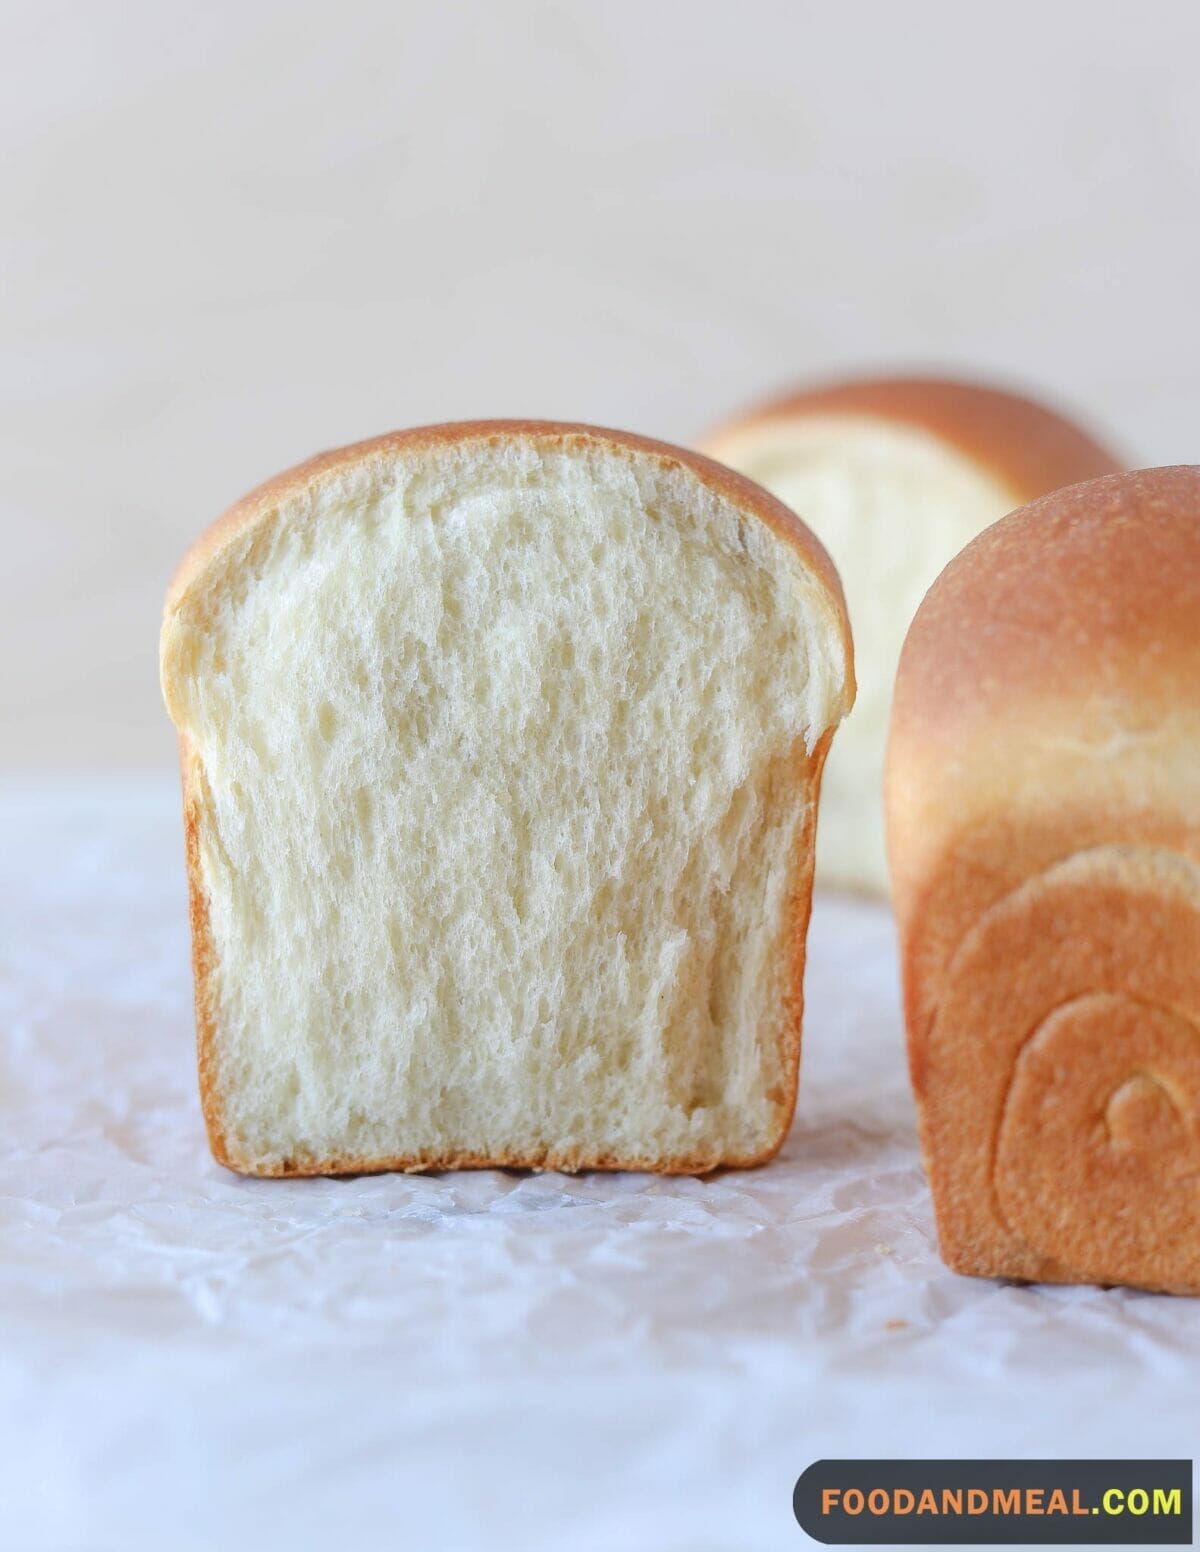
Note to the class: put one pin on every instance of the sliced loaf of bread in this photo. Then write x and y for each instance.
(501, 748)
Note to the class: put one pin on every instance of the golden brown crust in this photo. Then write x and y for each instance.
(1084, 569)
(1043, 795)
(1050, 674)
(1026, 446)
(203, 956)
(259, 505)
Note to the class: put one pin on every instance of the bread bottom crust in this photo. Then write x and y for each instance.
(565, 1162)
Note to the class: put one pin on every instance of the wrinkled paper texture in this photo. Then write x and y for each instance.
(481, 1359)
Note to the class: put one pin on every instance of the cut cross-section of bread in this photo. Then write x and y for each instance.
(895, 475)
(501, 747)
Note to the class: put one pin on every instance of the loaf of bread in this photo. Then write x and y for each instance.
(894, 477)
(1043, 810)
(501, 747)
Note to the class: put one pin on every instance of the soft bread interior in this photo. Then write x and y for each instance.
(893, 505)
(504, 761)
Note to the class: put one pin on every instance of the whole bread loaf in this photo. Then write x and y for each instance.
(501, 747)
(894, 476)
(1043, 806)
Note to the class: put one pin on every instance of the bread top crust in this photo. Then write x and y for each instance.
(1090, 591)
(1053, 672)
(260, 504)
(1026, 446)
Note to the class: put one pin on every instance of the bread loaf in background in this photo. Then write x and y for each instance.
(501, 747)
(894, 475)
(1043, 810)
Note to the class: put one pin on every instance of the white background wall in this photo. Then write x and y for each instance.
(234, 233)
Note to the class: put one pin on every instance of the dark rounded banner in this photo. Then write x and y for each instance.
(992, 1502)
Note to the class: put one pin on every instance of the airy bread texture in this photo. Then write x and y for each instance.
(501, 747)
(1043, 809)
(895, 476)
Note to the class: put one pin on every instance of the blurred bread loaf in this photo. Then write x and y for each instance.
(501, 747)
(894, 476)
(1043, 807)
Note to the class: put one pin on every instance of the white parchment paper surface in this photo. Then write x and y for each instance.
(192, 1360)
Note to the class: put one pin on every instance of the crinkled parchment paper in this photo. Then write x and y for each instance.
(191, 1360)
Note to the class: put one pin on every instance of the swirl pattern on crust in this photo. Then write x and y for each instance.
(1077, 1121)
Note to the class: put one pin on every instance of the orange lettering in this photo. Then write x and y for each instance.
(952, 1500)
(1058, 1502)
(977, 1500)
(1006, 1502)
(902, 1501)
(1033, 1500)
(829, 1498)
(928, 1503)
